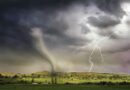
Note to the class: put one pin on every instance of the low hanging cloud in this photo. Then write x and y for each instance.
(103, 21)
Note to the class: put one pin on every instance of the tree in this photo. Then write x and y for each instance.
(1, 76)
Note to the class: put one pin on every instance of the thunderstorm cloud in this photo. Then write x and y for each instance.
(71, 30)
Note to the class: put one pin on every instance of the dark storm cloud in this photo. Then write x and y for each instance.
(112, 6)
(14, 37)
(105, 5)
(103, 21)
(18, 16)
(29, 4)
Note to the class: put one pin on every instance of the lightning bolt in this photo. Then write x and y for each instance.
(100, 51)
(90, 57)
(96, 47)
(90, 60)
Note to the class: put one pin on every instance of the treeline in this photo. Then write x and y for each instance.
(33, 75)
(95, 76)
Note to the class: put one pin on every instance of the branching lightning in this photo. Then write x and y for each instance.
(90, 57)
(100, 51)
(90, 60)
(96, 47)
(97, 40)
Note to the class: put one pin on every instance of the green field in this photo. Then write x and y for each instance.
(62, 87)
(84, 78)
(65, 81)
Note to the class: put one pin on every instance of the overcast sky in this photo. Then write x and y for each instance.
(77, 35)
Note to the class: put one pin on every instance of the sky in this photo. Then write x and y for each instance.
(65, 36)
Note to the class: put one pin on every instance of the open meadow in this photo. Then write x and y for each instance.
(84, 78)
(64, 81)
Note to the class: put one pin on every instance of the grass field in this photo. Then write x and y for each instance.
(62, 87)
(65, 81)
(65, 78)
